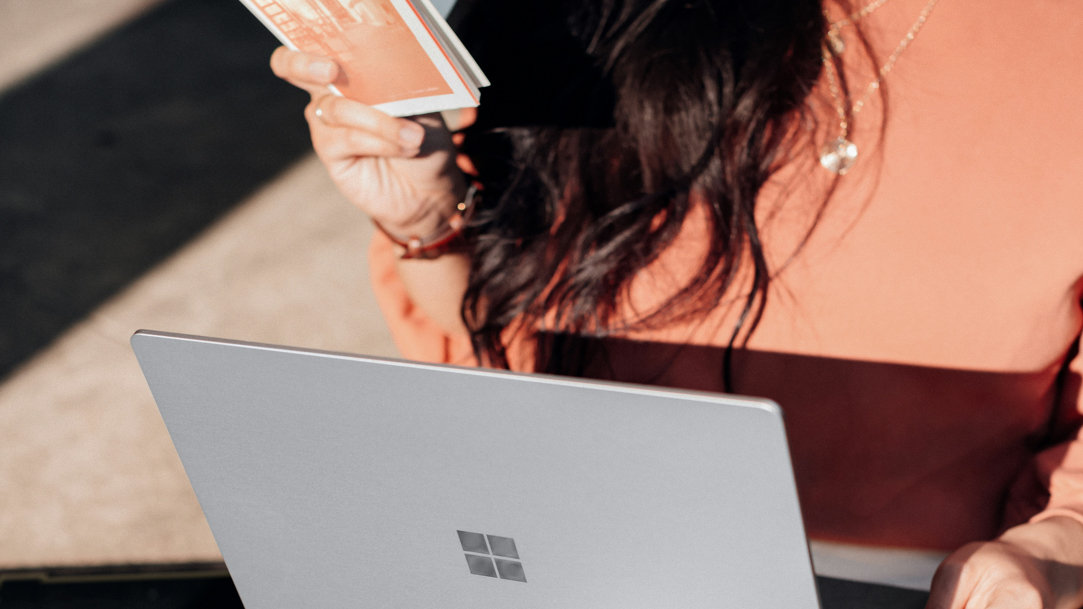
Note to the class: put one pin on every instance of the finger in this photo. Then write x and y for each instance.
(949, 589)
(333, 144)
(948, 598)
(437, 136)
(342, 143)
(334, 111)
(1013, 595)
(309, 72)
(460, 119)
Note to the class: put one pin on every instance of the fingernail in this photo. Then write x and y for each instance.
(321, 70)
(411, 135)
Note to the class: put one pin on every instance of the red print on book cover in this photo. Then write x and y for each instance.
(382, 60)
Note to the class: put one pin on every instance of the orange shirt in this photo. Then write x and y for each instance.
(924, 344)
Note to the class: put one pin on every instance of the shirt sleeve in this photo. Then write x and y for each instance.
(416, 335)
(1060, 467)
(1052, 485)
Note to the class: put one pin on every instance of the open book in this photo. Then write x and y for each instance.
(397, 55)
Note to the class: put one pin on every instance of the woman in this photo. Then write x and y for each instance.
(869, 213)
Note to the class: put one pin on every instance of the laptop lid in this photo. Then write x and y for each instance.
(332, 480)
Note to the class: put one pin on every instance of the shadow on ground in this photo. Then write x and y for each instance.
(182, 593)
(114, 158)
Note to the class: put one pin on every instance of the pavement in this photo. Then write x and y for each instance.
(153, 174)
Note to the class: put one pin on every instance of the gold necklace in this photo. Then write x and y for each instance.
(839, 154)
(834, 36)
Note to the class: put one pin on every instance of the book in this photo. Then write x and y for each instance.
(399, 56)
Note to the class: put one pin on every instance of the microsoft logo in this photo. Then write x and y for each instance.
(492, 556)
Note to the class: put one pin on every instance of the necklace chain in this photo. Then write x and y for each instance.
(834, 27)
(839, 154)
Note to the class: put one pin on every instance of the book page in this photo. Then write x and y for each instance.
(443, 7)
(461, 58)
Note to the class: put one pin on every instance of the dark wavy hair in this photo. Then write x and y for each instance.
(653, 107)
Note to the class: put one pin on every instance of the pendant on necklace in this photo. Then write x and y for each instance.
(835, 42)
(838, 155)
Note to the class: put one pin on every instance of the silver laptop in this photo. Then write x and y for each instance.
(333, 480)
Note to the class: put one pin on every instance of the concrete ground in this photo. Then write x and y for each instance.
(88, 477)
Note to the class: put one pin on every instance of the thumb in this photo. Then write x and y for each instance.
(949, 589)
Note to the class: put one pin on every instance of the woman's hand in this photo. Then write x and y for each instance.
(1032, 566)
(401, 172)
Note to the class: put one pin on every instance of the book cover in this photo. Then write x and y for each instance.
(395, 54)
